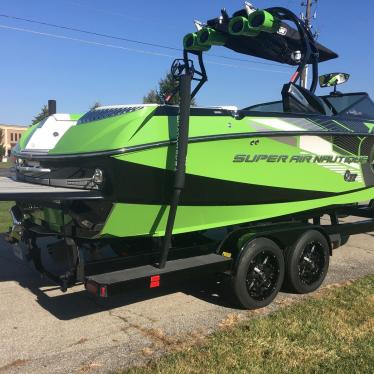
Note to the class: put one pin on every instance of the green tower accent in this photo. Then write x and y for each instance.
(208, 36)
(370, 126)
(240, 26)
(263, 21)
(191, 43)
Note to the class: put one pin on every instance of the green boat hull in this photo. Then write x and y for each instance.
(239, 168)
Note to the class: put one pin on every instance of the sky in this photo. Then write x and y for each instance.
(78, 70)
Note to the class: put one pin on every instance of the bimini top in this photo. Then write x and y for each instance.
(262, 34)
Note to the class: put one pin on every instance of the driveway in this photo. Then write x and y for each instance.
(46, 331)
(5, 172)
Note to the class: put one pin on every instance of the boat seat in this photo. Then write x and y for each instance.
(297, 99)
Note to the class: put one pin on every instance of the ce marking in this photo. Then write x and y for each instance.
(254, 142)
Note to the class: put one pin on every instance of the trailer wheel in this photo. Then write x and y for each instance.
(307, 262)
(259, 274)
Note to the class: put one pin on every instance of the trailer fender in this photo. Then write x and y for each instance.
(282, 234)
(334, 240)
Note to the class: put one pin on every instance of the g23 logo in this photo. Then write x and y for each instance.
(349, 177)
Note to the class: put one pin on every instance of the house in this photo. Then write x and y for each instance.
(11, 135)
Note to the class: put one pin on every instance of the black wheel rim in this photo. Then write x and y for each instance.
(312, 262)
(262, 275)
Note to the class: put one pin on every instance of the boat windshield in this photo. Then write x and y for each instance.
(356, 105)
(352, 105)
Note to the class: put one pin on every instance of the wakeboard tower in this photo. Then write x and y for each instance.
(115, 180)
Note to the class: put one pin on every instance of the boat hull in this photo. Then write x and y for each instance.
(238, 169)
(227, 186)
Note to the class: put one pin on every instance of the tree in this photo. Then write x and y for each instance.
(166, 86)
(42, 115)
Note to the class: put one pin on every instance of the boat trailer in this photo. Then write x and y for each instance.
(111, 276)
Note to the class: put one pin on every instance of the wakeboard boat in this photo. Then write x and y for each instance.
(158, 172)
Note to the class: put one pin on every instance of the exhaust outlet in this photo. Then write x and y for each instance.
(52, 107)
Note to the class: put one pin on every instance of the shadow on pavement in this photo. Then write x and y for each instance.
(77, 302)
(5, 172)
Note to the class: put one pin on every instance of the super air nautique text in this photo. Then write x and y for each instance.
(318, 159)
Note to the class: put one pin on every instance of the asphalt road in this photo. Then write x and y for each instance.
(45, 331)
(5, 172)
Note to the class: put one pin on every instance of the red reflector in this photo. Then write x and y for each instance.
(103, 291)
(155, 281)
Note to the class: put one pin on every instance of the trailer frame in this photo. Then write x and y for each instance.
(112, 276)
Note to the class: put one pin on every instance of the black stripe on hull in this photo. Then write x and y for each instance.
(128, 182)
(143, 184)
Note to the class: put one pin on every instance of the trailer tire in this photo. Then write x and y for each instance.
(307, 262)
(259, 274)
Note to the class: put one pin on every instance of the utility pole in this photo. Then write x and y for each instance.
(307, 18)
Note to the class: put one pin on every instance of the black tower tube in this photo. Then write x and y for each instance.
(184, 115)
(310, 49)
(203, 77)
(180, 160)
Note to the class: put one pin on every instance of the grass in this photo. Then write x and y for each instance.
(5, 220)
(331, 332)
(5, 165)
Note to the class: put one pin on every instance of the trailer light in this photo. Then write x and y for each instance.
(155, 281)
(95, 289)
(98, 176)
(91, 288)
(103, 291)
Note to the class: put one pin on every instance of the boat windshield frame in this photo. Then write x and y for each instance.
(346, 111)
